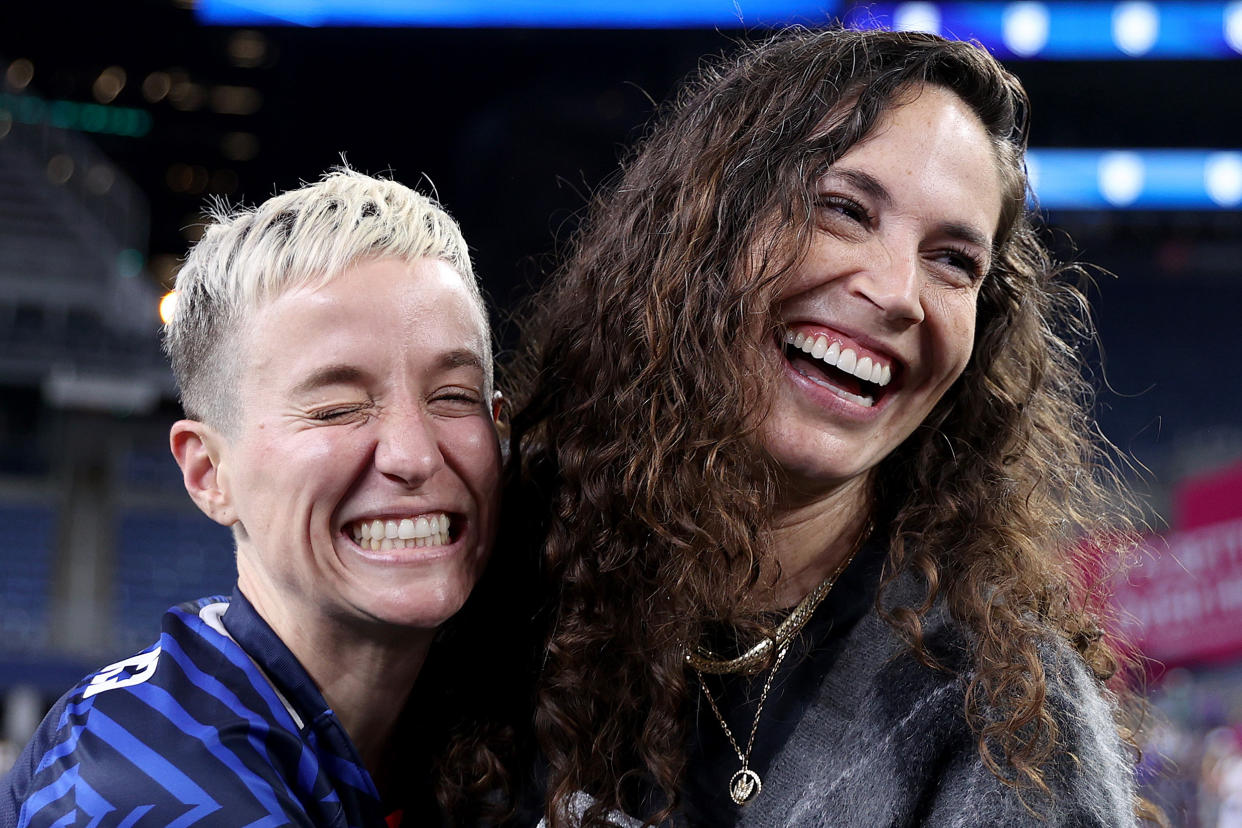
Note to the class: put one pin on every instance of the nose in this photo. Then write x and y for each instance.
(894, 282)
(407, 450)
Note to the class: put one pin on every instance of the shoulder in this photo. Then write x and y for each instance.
(887, 741)
(186, 730)
(1090, 775)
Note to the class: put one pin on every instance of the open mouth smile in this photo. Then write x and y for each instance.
(848, 373)
(431, 529)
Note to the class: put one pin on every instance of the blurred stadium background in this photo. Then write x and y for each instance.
(118, 121)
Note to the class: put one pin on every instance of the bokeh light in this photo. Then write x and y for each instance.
(168, 306)
(248, 49)
(917, 17)
(1136, 26)
(99, 179)
(129, 263)
(59, 169)
(1121, 177)
(19, 74)
(1222, 178)
(109, 84)
(1025, 28)
(156, 86)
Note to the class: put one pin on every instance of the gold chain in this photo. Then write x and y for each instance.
(745, 785)
(751, 661)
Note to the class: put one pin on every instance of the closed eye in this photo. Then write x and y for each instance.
(473, 399)
(967, 261)
(832, 206)
(336, 414)
(456, 401)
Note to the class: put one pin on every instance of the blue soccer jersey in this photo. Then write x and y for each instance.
(216, 725)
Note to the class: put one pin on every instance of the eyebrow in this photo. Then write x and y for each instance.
(873, 187)
(461, 358)
(865, 182)
(966, 233)
(337, 374)
(346, 374)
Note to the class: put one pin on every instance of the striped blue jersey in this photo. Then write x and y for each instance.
(215, 725)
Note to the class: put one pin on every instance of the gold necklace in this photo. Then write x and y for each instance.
(750, 662)
(744, 785)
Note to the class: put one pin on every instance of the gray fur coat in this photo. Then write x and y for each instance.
(886, 744)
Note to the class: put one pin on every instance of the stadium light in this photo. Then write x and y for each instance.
(1127, 179)
(625, 14)
(1086, 29)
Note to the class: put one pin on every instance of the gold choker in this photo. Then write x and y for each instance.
(754, 659)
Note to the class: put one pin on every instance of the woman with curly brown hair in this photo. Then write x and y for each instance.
(805, 430)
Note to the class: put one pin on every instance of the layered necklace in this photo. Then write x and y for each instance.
(745, 784)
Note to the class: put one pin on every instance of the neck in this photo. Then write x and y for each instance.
(814, 537)
(368, 688)
(365, 677)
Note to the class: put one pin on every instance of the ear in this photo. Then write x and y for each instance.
(500, 419)
(199, 450)
(499, 408)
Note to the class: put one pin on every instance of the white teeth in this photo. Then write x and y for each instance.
(403, 533)
(841, 392)
(863, 401)
(847, 359)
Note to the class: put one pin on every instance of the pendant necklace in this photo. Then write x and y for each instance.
(745, 785)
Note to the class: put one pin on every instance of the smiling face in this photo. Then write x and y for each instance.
(362, 476)
(879, 317)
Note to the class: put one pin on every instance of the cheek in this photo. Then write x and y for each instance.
(301, 470)
(954, 331)
(473, 449)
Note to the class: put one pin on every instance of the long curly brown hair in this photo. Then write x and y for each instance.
(636, 433)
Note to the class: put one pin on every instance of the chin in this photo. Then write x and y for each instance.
(420, 607)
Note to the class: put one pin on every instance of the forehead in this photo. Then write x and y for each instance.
(386, 314)
(932, 148)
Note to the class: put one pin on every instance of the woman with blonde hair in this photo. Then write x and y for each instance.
(804, 428)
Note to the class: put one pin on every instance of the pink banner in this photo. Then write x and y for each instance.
(1210, 498)
(1183, 603)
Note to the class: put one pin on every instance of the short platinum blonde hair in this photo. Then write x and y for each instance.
(300, 239)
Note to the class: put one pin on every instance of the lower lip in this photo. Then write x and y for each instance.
(828, 399)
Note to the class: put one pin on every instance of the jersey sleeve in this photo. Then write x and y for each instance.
(120, 750)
